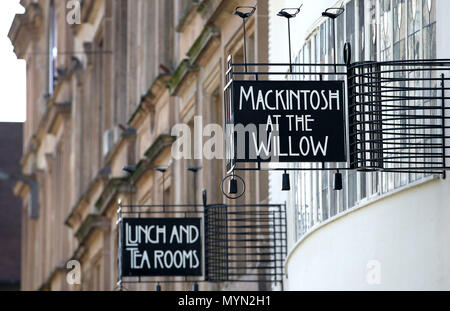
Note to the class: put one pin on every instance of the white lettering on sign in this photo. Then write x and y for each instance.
(161, 247)
(300, 100)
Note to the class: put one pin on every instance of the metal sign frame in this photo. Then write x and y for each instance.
(288, 121)
(269, 72)
(398, 116)
(238, 231)
(162, 247)
(396, 112)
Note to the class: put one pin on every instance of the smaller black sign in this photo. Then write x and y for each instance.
(162, 247)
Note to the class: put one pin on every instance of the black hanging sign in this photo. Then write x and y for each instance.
(161, 247)
(288, 121)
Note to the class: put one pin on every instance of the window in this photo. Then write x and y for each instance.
(340, 37)
(325, 195)
(350, 23)
(398, 29)
(361, 30)
(323, 42)
(414, 17)
(52, 47)
(429, 28)
(373, 31)
(385, 29)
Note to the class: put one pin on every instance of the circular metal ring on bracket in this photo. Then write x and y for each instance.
(225, 193)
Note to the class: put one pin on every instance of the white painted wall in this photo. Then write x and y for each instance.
(408, 234)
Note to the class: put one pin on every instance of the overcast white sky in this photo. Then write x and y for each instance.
(12, 70)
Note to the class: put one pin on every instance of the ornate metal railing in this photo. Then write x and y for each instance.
(245, 243)
(397, 116)
(241, 243)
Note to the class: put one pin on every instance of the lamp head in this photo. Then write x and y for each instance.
(233, 186)
(289, 12)
(246, 13)
(194, 169)
(161, 169)
(337, 184)
(130, 169)
(286, 183)
(333, 13)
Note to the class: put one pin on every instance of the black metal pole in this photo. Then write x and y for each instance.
(119, 248)
(337, 176)
(195, 189)
(289, 38)
(334, 46)
(245, 45)
(164, 193)
(131, 193)
(444, 173)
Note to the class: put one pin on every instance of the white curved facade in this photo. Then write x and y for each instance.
(399, 242)
(384, 231)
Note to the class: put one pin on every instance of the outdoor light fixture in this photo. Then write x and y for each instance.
(130, 169)
(245, 12)
(337, 185)
(286, 184)
(289, 13)
(233, 192)
(194, 169)
(333, 13)
(233, 186)
(161, 169)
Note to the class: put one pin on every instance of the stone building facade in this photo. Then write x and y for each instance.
(106, 93)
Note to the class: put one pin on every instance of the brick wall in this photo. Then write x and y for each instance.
(10, 206)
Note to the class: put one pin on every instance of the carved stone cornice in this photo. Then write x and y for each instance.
(58, 110)
(75, 214)
(191, 64)
(149, 100)
(26, 28)
(91, 223)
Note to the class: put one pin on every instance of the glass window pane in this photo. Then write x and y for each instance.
(361, 30)
(350, 23)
